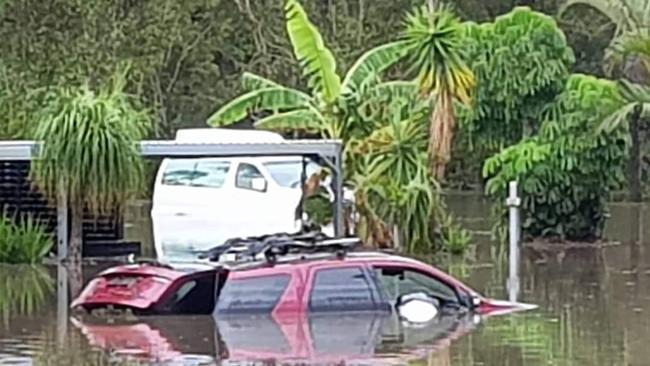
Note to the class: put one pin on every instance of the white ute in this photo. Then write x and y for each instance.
(201, 202)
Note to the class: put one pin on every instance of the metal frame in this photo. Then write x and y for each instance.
(330, 151)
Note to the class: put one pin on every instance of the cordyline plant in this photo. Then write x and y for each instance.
(434, 41)
(90, 151)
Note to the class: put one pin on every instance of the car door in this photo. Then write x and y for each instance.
(261, 206)
(343, 288)
(186, 214)
(395, 280)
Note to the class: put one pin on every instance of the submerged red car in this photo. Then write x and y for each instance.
(280, 274)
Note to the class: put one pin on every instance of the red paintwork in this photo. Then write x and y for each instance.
(157, 281)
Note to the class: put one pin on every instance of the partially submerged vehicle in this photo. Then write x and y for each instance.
(281, 274)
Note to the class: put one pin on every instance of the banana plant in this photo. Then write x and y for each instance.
(323, 109)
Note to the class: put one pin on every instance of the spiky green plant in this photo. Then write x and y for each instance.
(23, 240)
(434, 40)
(90, 147)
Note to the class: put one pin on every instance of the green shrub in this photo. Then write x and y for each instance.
(454, 239)
(566, 171)
(23, 240)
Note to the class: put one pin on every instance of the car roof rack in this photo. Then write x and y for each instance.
(269, 247)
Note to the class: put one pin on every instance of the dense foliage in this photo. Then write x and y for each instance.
(522, 62)
(568, 169)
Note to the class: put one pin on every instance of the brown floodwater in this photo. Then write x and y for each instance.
(594, 306)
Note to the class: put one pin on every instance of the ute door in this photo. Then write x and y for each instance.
(187, 213)
(262, 207)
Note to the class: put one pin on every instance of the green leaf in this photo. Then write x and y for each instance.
(315, 58)
(372, 63)
(252, 82)
(302, 119)
(273, 99)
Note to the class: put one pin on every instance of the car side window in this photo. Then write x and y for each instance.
(196, 173)
(396, 281)
(256, 294)
(341, 289)
(245, 175)
(211, 174)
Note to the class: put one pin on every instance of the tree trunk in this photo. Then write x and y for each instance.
(441, 131)
(634, 163)
(76, 235)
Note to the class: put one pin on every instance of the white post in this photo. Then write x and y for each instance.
(62, 222)
(62, 304)
(513, 202)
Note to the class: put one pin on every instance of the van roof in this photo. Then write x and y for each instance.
(224, 135)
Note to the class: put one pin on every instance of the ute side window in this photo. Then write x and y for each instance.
(341, 289)
(255, 294)
(396, 281)
(246, 173)
(196, 173)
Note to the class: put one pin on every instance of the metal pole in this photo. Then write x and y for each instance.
(338, 197)
(62, 222)
(513, 202)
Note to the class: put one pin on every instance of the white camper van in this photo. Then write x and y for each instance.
(201, 202)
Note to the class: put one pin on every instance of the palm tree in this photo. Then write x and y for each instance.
(321, 111)
(90, 149)
(435, 43)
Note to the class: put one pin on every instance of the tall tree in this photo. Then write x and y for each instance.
(434, 40)
(631, 19)
(89, 149)
(320, 111)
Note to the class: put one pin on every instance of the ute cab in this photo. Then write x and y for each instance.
(288, 274)
(201, 202)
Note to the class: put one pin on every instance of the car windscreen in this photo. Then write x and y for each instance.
(288, 173)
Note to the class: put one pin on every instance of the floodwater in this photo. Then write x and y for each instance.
(594, 306)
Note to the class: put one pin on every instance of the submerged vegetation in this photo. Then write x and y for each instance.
(24, 290)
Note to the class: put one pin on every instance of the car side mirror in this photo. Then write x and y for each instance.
(259, 184)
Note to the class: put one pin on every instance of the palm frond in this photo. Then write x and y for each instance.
(252, 82)
(632, 92)
(267, 99)
(373, 63)
(396, 89)
(90, 145)
(315, 58)
(296, 120)
(437, 53)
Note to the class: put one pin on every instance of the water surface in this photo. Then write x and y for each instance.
(593, 310)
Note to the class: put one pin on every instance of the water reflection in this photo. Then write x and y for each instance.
(323, 339)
